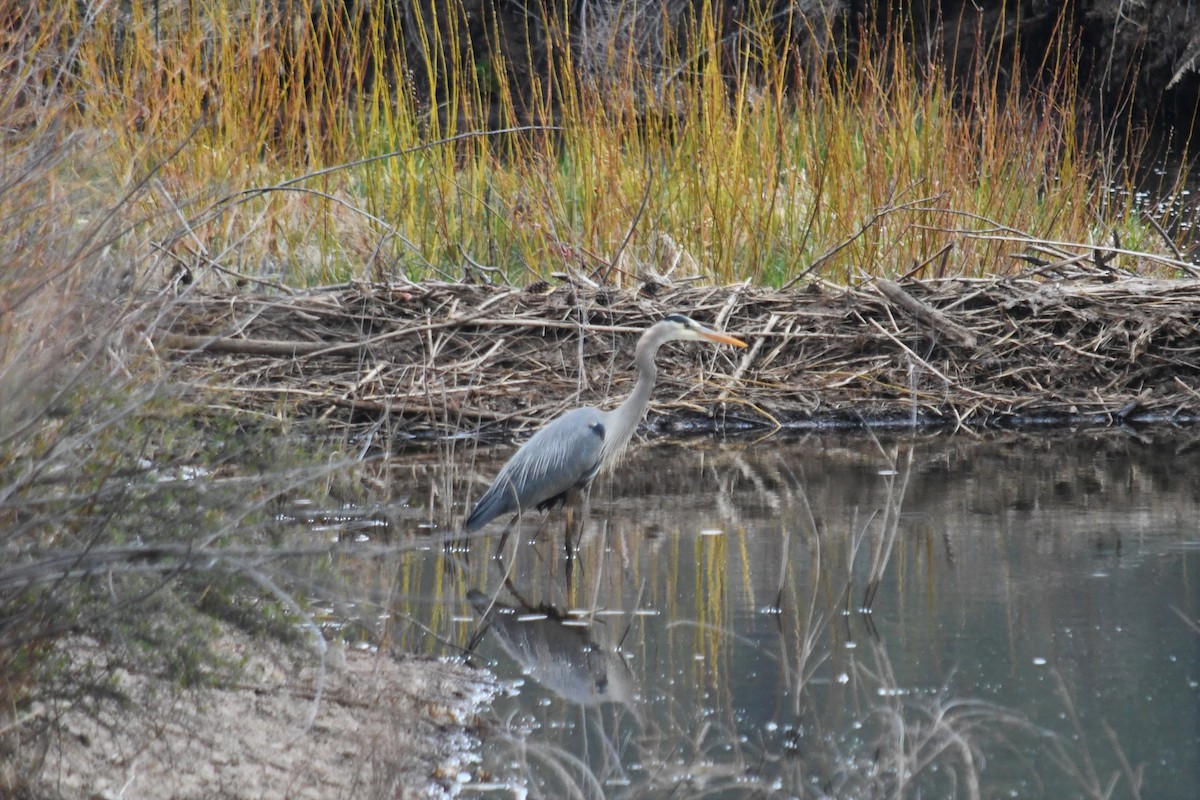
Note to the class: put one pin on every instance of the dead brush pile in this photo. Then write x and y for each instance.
(441, 359)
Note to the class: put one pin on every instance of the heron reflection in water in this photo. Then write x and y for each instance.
(563, 458)
(556, 650)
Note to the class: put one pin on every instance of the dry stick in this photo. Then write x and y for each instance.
(785, 338)
(378, 405)
(541, 323)
(1167, 239)
(879, 214)
(731, 301)
(1048, 244)
(429, 410)
(1183, 385)
(962, 299)
(1043, 268)
(218, 344)
(746, 359)
(971, 215)
(949, 382)
(616, 259)
(491, 301)
(581, 380)
(216, 267)
(1193, 624)
(926, 313)
(1183, 264)
(481, 267)
(776, 425)
(20, 719)
(371, 375)
(254, 347)
(943, 253)
(478, 361)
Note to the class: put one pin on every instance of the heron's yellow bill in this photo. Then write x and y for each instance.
(722, 338)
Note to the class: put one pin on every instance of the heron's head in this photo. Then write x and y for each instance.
(677, 326)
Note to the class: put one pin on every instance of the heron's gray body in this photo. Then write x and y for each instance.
(569, 452)
(564, 455)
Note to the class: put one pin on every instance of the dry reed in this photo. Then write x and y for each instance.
(435, 359)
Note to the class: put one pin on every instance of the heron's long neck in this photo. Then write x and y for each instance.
(624, 418)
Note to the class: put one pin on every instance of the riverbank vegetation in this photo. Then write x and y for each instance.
(314, 144)
(158, 155)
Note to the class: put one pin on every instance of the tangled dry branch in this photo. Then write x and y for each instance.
(437, 359)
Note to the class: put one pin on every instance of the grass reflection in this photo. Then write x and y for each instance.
(835, 617)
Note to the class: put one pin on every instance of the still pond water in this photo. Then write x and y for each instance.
(833, 616)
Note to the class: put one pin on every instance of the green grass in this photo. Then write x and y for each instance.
(759, 168)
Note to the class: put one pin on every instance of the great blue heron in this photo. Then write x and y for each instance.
(566, 455)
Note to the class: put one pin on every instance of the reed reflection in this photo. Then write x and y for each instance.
(847, 616)
(834, 616)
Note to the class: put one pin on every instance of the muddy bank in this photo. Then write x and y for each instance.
(422, 361)
(366, 725)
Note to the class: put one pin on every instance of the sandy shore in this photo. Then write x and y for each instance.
(383, 727)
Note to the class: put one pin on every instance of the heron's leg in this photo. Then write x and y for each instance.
(541, 525)
(515, 521)
(585, 507)
(576, 516)
(506, 570)
(500, 547)
(569, 524)
(573, 535)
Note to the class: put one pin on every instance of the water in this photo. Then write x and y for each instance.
(834, 616)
